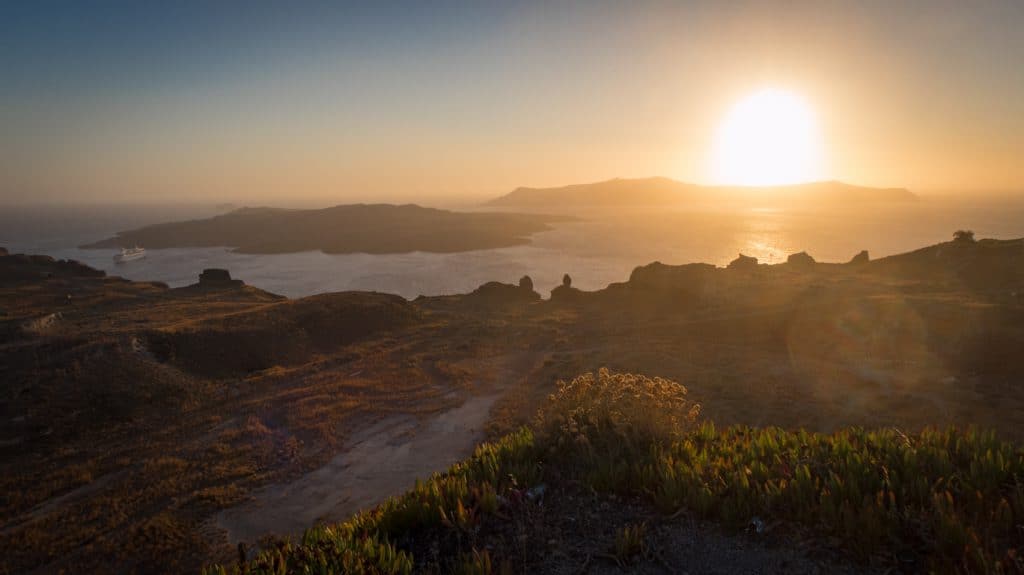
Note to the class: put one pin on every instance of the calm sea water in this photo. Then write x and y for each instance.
(598, 249)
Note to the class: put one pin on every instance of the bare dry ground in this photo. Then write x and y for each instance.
(383, 459)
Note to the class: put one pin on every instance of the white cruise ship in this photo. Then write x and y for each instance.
(129, 254)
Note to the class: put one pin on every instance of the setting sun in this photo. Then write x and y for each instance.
(768, 138)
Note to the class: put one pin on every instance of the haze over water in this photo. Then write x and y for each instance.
(600, 248)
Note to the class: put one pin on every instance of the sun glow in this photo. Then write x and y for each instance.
(769, 138)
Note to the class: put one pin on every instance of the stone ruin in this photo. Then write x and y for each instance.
(217, 277)
(802, 259)
(743, 263)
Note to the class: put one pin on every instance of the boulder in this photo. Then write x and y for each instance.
(214, 275)
(526, 283)
(658, 276)
(861, 258)
(743, 263)
(566, 281)
(217, 277)
(500, 293)
(802, 259)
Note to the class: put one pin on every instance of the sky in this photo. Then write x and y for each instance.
(392, 101)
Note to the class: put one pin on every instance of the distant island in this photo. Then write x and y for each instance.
(667, 192)
(357, 228)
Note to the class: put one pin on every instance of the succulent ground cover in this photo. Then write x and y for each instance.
(939, 500)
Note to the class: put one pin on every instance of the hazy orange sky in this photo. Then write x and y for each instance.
(326, 102)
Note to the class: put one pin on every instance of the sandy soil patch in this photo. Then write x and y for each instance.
(382, 460)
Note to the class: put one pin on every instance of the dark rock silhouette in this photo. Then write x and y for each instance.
(802, 259)
(861, 258)
(743, 263)
(982, 265)
(41, 260)
(21, 266)
(657, 284)
(691, 279)
(217, 277)
(566, 280)
(565, 293)
(77, 268)
(502, 293)
(526, 283)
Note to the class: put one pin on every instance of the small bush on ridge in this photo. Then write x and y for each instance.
(608, 413)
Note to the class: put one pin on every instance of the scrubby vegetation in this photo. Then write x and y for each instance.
(945, 501)
(141, 423)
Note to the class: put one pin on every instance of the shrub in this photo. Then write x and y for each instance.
(963, 236)
(608, 414)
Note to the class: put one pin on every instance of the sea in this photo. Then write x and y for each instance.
(595, 249)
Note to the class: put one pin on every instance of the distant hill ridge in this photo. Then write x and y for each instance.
(354, 228)
(660, 191)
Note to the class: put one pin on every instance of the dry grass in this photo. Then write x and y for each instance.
(123, 457)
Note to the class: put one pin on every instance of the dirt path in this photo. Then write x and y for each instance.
(382, 460)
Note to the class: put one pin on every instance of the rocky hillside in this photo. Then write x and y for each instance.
(133, 415)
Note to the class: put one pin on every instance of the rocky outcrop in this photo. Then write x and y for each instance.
(743, 263)
(526, 283)
(41, 260)
(29, 267)
(661, 277)
(566, 294)
(659, 284)
(861, 258)
(77, 268)
(502, 293)
(801, 260)
(995, 266)
(217, 277)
